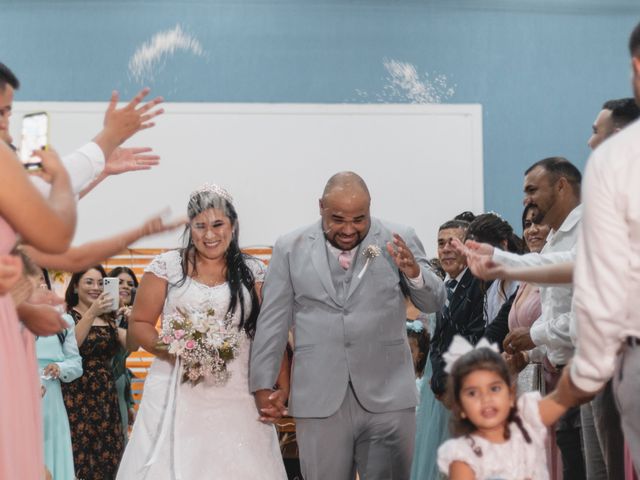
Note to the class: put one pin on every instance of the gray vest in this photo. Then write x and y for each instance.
(340, 277)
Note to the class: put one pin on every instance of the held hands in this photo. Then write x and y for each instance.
(518, 340)
(567, 393)
(516, 362)
(52, 370)
(402, 257)
(271, 404)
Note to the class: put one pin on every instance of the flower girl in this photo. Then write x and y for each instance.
(496, 436)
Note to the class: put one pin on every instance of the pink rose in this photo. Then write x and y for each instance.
(178, 334)
(190, 345)
(166, 339)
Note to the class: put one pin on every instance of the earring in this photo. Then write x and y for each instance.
(463, 415)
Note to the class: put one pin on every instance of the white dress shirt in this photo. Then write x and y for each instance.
(607, 272)
(553, 329)
(83, 166)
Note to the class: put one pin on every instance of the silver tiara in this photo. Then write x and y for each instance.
(215, 189)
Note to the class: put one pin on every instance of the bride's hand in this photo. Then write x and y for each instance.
(271, 404)
(161, 351)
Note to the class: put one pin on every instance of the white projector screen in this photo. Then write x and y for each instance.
(422, 163)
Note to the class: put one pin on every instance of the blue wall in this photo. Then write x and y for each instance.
(540, 68)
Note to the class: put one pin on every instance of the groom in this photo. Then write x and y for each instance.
(340, 285)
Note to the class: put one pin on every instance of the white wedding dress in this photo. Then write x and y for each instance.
(206, 431)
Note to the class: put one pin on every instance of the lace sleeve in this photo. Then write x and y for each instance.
(163, 266)
(257, 267)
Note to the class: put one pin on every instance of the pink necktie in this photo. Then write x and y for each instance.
(345, 259)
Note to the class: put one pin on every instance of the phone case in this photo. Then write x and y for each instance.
(111, 287)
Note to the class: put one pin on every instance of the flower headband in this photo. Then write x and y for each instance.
(460, 347)
(416, 326)
(214, 189)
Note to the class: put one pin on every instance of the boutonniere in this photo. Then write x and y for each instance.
(371, 252)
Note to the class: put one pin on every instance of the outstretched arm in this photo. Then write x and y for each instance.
(120, 124)
(124, 160)
(461, 471)
(84, 256)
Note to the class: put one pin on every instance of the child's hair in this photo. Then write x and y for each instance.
(478, 359)
(417, 330)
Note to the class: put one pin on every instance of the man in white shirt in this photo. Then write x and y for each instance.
(552, 186)
(607, 275)
(86, 166)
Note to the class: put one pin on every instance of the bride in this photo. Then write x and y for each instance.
(206, 429)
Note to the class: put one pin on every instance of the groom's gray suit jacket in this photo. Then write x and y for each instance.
(346, 329)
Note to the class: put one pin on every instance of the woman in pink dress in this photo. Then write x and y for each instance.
(24, 211)
(525, 310)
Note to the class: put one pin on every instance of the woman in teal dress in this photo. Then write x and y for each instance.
(432, 427)
(58, 361)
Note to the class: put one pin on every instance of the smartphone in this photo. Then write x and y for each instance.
(133, 296)
(35, 136)
(111, 286)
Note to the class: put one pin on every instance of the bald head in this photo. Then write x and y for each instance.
(344, 208)
(346, 182)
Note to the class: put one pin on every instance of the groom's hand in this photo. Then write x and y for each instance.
(270, 404)
(402, 256)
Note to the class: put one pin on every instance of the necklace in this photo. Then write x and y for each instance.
(209, 281)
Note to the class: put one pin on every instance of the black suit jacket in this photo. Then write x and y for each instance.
(465, 317)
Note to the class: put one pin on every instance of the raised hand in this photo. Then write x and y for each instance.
(157, 225)
(479, 248)
(124, 122)
(483, 266)
(402, 257)
(120, 124)
(124, 160)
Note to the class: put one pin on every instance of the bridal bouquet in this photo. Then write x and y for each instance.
(205, 342)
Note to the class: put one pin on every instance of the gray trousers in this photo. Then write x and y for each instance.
(607, 422)
(626, 388)
(593, 459)
(379, 446)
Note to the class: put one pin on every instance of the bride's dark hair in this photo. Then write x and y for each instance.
(238, 273)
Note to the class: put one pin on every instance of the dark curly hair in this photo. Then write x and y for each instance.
(478, 359)
(238, 273)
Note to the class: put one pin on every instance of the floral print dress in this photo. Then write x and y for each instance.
(92, 406)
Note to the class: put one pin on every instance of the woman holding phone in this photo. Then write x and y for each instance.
(92, 399)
